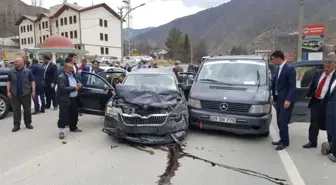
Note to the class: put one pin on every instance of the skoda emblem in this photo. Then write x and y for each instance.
(223, 106)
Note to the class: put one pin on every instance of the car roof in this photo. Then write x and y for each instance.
(309, 63)
(236, 57)
(152, 71)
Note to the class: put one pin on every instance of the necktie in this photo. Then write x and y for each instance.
(320, 87)
(276, 80)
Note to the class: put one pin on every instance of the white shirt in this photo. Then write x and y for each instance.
(326, 84)
(280, 68)
(333, 86)
(74, 68)
(45, 68)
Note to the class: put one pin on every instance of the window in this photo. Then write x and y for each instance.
(56, 23)
(101, 36)
(101, 22)
(32, 40)
(21, 29)
(75, 34)
(46, 23)
(70, 20)
(44, 37)
(74, 19)
(22, 43)
(106, 51)
(71, 34)
(106, 37)
(25, 41)
(43, 25)
(40, 39)
(31, 27)
(304, 75)
(40, 26)
(24, 29)
(65, 21)
(47, 36)
(62, 34)
(66, 34)
(27, 28)
(62, 22)
(105, 23)
(102, 50)
(92, 81)
(160, 80)
(28, 40)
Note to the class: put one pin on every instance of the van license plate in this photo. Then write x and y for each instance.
(223, 119)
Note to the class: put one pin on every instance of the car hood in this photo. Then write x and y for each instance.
(147, 95)
(239, 94)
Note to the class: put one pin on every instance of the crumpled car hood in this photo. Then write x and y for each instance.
(147, 95)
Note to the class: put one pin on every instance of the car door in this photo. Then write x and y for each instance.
(95, 94)
(111, 74)
(304, 76)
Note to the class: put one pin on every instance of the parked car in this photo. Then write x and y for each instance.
(149, 107)
(5, 106)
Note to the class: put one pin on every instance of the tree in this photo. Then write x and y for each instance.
(175, 43)
(200, 50)
(186, 48)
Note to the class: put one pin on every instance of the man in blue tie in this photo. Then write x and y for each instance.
(283, 94)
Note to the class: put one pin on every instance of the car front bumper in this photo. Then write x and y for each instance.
(163, 134)
(245, 124)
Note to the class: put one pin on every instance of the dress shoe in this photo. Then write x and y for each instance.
(310, 145)
(325, 148)
(61, 135)
(42, 111)
(35, 112)
(76, 130)
(29, 127)
(332, 157)
(276, 143)
(15, 129)
(280, 147)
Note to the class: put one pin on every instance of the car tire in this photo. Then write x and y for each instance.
(4, 106)
(265, 134)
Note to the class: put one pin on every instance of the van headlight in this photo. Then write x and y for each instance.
(113, 111)
(260, 109)
(194, 103)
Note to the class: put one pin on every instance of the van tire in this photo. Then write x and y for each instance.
(265, 134)
(6, 106)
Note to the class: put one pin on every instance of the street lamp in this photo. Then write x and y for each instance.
(122, 18)
(301, 16)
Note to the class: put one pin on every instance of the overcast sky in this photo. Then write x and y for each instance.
(155, 13)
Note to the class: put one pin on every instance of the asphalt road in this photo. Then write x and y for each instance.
(38, 157)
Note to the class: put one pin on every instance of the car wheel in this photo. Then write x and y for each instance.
(4, 106)
(265, 134)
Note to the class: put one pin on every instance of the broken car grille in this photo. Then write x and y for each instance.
(151, 120)
(232, 107)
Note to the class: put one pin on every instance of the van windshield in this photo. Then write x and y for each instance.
(234, 72)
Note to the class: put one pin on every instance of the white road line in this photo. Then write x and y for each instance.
(290, 167)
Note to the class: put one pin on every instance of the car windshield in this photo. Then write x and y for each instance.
(160, 80)
(234, 72)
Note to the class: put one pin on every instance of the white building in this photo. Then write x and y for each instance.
(95, 29)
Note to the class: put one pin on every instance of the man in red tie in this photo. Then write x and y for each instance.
(318, 91)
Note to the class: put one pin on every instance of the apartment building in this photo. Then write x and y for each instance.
(95, 29)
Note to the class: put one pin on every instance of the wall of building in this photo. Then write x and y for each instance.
(70, 28)
(91, 30)
(26, 35)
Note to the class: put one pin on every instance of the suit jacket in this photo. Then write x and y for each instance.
(96, 71)
(38, 72)
(85, 68)
(285, 85)
(51, 74)
(64, 90)
(315, 83)
(331, 113)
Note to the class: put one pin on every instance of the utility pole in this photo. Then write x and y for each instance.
(3, 50)
(301, 18)
(121, 33)
(191, 53)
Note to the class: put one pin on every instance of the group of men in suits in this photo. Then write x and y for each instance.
(322, 104)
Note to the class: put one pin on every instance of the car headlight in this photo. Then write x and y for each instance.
(113, 111)
(194, 103)
(260, 109)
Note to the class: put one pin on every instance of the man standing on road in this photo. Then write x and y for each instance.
(38, 72)
(20, 90)
(95, 67)
(50, 76)
(283, 91)
(67, 91)
(319, 89)
(26, 61)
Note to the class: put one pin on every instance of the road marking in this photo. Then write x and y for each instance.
(290, 167)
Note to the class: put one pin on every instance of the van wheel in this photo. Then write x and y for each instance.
(4, 106)
(265, 134)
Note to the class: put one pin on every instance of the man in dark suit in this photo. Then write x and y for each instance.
(283, 91)
(84, 66)
(67, 91)
(330, 122)
(95, 67)
(38, 72)
(319, 89)
(50, 76)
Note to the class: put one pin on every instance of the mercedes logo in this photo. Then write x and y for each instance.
(223, 106)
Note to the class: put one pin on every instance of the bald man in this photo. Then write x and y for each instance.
(67, 92)
(20, 90)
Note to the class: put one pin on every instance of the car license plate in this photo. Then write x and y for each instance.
(223, 119)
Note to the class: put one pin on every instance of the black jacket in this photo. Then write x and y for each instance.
(38, 72)
(51, 74)
(64, 90)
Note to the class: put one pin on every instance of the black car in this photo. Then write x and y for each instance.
(149, 107)
(5, 106)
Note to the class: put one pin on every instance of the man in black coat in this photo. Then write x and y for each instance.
(38, 72)
(67, 91)
(318, 90)
(50, 76)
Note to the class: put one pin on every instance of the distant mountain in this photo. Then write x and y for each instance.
(136, 32)
(251, 23)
